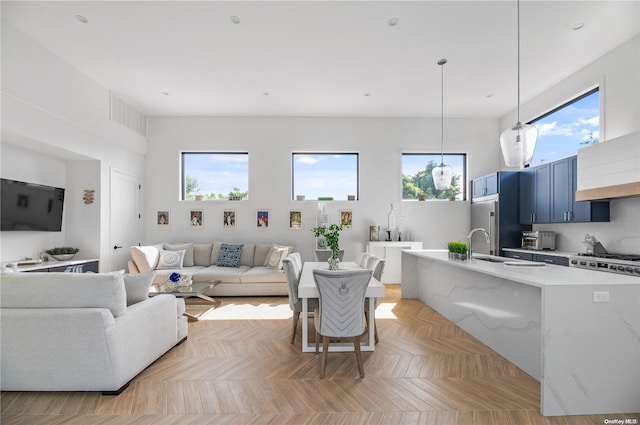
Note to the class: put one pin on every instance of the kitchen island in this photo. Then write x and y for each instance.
(576, 331)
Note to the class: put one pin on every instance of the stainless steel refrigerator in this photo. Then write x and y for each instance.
(499, 215)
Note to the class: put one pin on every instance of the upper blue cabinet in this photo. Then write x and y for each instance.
(547, 195)
(484, 186)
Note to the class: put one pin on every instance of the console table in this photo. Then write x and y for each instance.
(69, 266)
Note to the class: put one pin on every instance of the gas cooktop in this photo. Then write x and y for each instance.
(628, 264)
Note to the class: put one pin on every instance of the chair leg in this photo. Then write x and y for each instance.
(375, 327)
(296, 317)
(356, 347)
(323, 359)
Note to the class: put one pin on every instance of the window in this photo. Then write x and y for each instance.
(325, 175)
(417, 180)
(215, 175)
(564, 130)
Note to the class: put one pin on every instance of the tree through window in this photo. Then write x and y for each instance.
(417, 179)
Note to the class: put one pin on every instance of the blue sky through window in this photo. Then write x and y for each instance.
(217, 173)
(562, 132)
(325, 174)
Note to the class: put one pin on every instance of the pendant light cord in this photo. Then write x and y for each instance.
(441, 62)
(518, 26)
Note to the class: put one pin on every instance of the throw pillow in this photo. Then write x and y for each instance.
(202, 254)
(188, 252)
(170, 259)
(229, 255)
(145, 257)
(274, 257)
(136, 285)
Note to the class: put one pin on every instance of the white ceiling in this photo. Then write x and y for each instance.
(321, 58)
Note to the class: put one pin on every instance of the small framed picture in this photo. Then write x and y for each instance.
(345, 218)
(229, 219)
(295, 220)
(163, 219)
(196, 219)
(262, 219)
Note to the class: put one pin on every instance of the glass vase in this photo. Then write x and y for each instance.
(334, 263)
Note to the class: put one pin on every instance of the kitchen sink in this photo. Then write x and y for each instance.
(491, 259)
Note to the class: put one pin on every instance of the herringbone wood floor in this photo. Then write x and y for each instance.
(425, 370)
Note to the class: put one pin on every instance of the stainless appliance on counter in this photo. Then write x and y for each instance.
(628, 264)
(539, 240)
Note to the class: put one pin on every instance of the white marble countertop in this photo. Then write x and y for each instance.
(543, 252)
(539, 276)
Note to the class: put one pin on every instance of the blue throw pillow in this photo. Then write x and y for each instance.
(229, 255)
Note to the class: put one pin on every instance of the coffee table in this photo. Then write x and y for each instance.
(196, 289)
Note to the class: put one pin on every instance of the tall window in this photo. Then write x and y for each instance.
(325, 175)
(215, 175)
(417, 180)
(564, 130)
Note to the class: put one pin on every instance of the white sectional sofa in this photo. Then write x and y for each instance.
(83, 331)
(258, 271)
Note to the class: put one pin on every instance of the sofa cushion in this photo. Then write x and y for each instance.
(145, 257)
(202, 254)
(188, 252)
(262, 250)
(64, 290)
(261, 274)
(170, 259)
(229, 255)
(137, 286)
(223, 274)
(274, 258)
(248, 250)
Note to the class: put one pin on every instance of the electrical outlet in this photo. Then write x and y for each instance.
(601, 297)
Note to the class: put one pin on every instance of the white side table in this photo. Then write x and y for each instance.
(391, 251)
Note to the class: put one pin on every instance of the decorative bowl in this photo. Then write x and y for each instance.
(63, 257)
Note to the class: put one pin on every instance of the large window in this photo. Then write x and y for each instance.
(215, 175)
(325, 175)
(564, 130)
(417, 180)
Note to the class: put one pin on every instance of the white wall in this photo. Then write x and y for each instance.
(270, 142)
(618, 74)
(60, 115)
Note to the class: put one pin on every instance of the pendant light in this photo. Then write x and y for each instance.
(518, 143)
(442, 174)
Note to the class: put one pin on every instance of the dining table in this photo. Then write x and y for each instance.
(307, 290)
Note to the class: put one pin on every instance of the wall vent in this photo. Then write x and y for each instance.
(127, 115)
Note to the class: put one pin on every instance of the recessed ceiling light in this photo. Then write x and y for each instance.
(578, 26)
(235, 19)
(367, 94)
(164, 93)
(265, 93)
(488, 95)
(393, 22)
(82, 19)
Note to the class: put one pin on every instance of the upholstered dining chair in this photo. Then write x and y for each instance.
(376, 265)
(340, 313)
(292, 265)
(364, 260)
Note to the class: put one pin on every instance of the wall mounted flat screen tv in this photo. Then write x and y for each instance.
(29, 206)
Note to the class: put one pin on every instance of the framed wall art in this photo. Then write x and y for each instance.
(262, 219)
(295, 220)
(196, 219)
(345, 218)
(229, 219)
(163, 219)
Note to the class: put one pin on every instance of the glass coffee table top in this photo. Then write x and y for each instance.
(196, 289)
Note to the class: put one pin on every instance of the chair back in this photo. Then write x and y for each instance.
(364, 260)
(295, 257)
(293, 279)
(376, 264)
(341, 309)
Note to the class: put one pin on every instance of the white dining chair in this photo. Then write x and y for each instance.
(293, 268)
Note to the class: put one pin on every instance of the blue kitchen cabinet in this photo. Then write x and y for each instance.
(535, 205)
(484, 186)
(564, 207)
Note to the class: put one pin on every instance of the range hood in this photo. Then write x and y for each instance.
(609, 169)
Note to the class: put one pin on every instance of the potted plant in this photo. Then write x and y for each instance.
(332, 235)
(458, 250)
(62, 253)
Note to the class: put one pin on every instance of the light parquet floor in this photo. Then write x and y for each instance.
(238, 368)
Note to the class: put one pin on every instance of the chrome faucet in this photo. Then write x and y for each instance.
(470, 237)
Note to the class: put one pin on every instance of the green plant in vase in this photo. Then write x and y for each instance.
(332, 235)
(458, 250)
